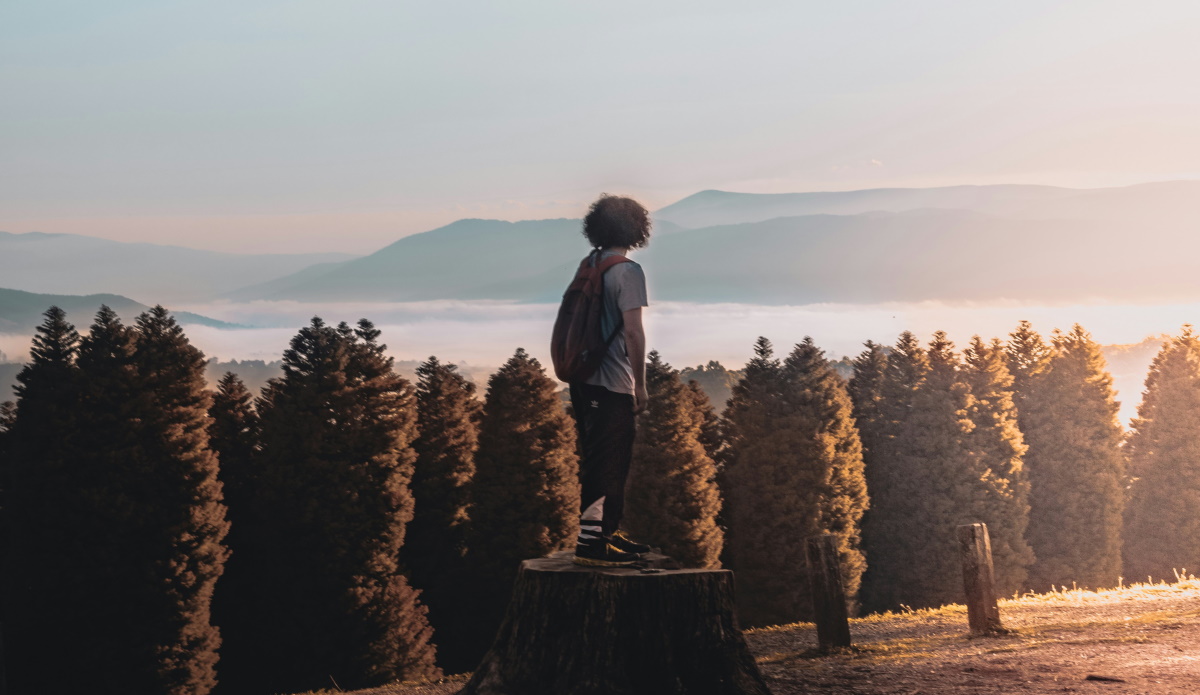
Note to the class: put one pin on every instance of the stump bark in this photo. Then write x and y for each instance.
(573, 630)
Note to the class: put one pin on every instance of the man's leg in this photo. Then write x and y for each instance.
(585, 402)
(606, 425)
(618, 426)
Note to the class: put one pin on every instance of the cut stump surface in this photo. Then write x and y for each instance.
(572, 630)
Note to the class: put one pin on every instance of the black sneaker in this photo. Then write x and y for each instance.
(603, 554)
(626, 544)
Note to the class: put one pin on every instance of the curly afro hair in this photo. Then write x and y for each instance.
(617, 222)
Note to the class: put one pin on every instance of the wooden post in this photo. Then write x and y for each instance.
(979, 580)
(828, 594)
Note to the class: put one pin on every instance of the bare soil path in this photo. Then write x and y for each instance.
(1145, 638)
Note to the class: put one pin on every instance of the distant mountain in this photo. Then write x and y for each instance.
(922, 255)
(932, 254)
(73, 264)
(961, 242)
(469, 259)
(21, 312)
(710, 208)
(1172, 203)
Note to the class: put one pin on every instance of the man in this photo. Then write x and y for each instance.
(606, 403)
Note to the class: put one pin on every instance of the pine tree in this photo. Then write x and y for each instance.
(814, 387)
(525, 496)
(233, 436)
(745, 424)
(946, 451)
(434, 551)
(1162, 530)
(890, 532)
(40, 513)
(795, 471)
(1068, 415)
(106, 443)
(138, 527)
(997, 451)
(865, 388)
(673, 498)
(183, 517)
(929, 452)
(333, 494)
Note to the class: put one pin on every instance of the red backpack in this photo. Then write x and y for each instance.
(578, 344)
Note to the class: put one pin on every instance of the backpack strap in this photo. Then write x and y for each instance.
(605, 264)
(611, 261)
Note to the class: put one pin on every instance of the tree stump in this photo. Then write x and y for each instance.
(573, 630)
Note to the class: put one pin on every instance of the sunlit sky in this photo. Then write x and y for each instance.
(305, 125)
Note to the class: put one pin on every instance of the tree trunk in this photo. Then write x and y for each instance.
(572, 630)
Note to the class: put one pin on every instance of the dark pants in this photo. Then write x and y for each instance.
(605, 423)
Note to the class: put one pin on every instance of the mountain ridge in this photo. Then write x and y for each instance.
(875, 256)
(1053, 235)
(41, 262)
(713, 206)
(21, 312)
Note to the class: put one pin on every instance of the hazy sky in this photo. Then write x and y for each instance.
(305, 125)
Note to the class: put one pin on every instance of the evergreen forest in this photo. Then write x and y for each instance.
(346, 526)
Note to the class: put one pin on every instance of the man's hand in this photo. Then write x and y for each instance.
(640, 398)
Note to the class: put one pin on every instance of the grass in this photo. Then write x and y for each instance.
(1086, 631)
(904, 614)
(1183, 584)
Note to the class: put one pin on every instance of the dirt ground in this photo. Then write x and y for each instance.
(1144, 639)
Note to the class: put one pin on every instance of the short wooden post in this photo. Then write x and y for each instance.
(979, 580)
(828, 594)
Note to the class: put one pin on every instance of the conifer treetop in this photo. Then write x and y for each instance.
(763, 348)
(1028, 353)
(56, 339)
(368, 333)
(53, 352)
(906, 368)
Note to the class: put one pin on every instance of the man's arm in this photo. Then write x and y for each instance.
(635, 346)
